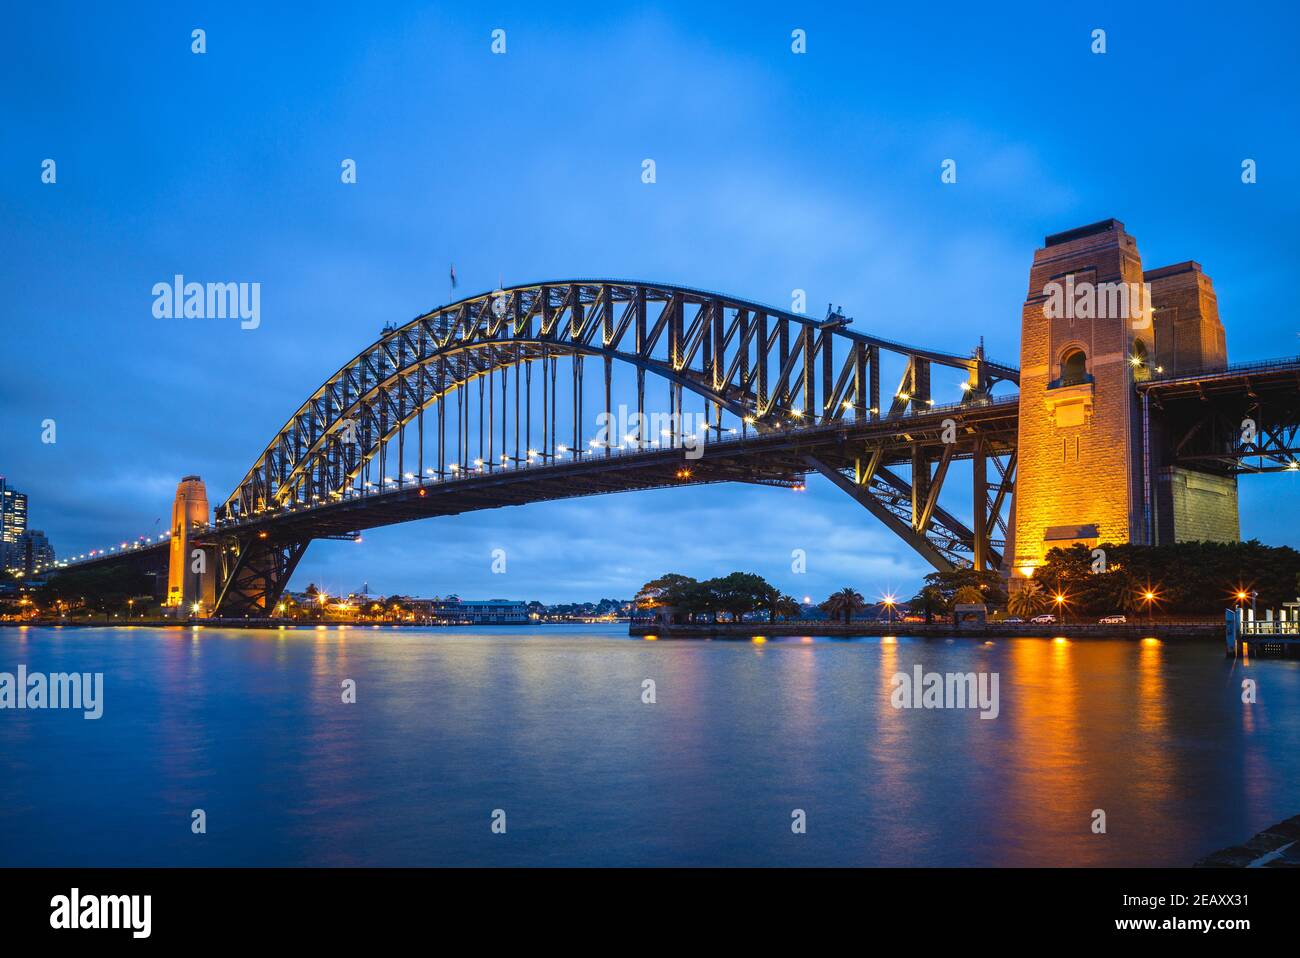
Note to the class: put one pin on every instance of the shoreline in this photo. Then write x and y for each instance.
(275, 624)
(939, 630)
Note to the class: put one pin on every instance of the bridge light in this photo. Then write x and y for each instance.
(561, 448)
(749, 420)
(847, 404)
(478, 462)
(454, 467)
(966, 387)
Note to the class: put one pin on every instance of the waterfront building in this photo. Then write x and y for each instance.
(478, 612)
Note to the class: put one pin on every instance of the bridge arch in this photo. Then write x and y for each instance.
(762, 366)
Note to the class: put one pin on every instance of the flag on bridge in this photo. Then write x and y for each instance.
(453, 275)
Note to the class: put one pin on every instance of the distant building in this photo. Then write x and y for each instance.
(35, 552)
(13, 523)
(479, 612)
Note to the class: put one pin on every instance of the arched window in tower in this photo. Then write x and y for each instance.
(1074, 367)
(1140, 361)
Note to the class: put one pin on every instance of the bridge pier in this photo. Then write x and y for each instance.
(254, 573)
(1096, 461)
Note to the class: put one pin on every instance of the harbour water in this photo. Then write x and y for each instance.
(548, 725)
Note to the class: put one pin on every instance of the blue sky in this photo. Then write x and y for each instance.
(775, 171)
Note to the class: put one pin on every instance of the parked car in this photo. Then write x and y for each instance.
(1115, 619)
(1015, 619)
(1045, 619)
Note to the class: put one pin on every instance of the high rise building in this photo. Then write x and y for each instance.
(13, 523)
(34, 551)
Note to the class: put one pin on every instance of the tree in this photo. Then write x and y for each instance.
(845, 602)
(929, 602)
(787, 607)
(663, 590)
(737, 594)
(1028, 602)
(1196, 578)
(989, 584)
(969, 595)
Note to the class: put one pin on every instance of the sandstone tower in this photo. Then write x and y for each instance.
(1091, 329)
(185, 587)
(1188, 505)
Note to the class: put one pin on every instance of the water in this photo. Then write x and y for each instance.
(547, 724)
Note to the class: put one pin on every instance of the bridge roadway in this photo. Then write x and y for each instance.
(780, 457)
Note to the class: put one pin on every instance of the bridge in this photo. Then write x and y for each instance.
(581, 387)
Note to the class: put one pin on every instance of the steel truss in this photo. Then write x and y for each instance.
(1231, 421)
(765, 365)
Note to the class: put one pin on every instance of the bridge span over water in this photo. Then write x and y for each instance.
(580, 387)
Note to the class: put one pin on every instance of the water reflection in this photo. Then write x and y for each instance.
(553, 726)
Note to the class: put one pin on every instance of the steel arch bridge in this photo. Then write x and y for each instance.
(486, 402)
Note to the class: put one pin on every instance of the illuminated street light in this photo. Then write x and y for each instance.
(1062, 602)
(1149, 596)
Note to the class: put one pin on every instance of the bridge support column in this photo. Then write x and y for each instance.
(980, 504)
(191, 572)
(254, 575)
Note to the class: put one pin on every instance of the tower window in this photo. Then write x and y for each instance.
(1074, 367)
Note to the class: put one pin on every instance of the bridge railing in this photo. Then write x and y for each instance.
(1262, 365)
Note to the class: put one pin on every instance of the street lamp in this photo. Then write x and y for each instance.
(1149, 597)
(1059, 599)
(889, 606)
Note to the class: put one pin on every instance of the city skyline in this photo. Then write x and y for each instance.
(839, 195)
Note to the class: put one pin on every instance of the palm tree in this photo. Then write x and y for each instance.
(929, 601)
(845, 602)
(968, 595)
(787, 607)
(1028, 602)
